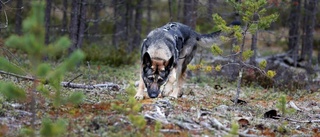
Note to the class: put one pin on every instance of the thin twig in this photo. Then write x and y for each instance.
(232, 55)
(73, 79)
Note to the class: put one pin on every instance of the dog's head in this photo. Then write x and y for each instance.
(155, 73)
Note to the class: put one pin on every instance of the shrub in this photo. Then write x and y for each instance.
(110, 55)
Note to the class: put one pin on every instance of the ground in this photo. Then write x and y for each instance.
(205, 109)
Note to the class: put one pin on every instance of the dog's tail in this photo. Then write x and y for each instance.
(207, 40)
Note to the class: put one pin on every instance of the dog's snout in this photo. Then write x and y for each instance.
(153, 95)
(153, 92)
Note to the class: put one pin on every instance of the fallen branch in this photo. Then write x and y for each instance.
(303, 121)
(170, 131)
(110, 86)
(293, 105)
(23, 113)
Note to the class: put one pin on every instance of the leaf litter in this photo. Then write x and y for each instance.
(203, 110)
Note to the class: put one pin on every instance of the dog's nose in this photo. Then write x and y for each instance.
(153, 95)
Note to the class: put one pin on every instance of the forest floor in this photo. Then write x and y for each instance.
(205, 109)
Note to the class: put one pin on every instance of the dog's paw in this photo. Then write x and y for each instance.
(138, 97)
(167, 90)
(174, 94)
(172, 97)
(165, 94)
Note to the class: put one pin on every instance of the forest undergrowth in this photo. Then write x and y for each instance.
(205, 108)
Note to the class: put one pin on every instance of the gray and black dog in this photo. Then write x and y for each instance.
(165, 54)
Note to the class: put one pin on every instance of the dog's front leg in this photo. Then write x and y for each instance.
(178, 86)
(171, 81)
(139, 94)
(179, 82)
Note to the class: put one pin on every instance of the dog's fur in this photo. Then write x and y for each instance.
(165, 54)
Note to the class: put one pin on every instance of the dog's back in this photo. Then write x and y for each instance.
(175, 37)
(167, 41)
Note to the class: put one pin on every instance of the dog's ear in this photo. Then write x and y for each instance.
(170, 63)
(146, 59)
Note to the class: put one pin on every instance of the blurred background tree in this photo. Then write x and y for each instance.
(110, 32)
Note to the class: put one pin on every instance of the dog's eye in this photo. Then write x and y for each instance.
(160, 80)
(151, 78)
(162, 73)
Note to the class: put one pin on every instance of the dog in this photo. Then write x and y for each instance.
(165, 54)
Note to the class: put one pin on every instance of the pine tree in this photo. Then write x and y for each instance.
(32, 43)
(254, 17)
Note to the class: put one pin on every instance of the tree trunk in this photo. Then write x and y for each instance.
(47, 21)
(194, 14)
(304, 27)
(294, 20)
(170, 10)
(149, 5)
(96, 14)
(18, 18)
(65, 17)
(309, 25)
(190, 12)
(82, 22)
(236, 18)
(119, 32)
(318, 55)
(1, 27)
(129, 23)
(254, 49)
(116, 20)
(137, 25)
(187, 12)
(254, 41)
(179, 16)
(74, 24)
